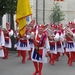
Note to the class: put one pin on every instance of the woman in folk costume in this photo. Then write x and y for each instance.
(52, 37)
(73, 35)
(55, 44)
(32, 30)
(23, 45)
(16, 36)
(40, 51)
(2, 43)
(60, 42)
(31, 41)
(70, 46)
(8, 44)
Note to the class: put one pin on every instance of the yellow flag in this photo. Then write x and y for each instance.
(23, 10)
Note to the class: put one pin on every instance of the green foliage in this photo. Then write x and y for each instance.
(7, 6)
(57, 15)
(11, 6)
(2, 7)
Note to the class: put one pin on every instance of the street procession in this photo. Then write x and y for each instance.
(38, 42)
(41, 42)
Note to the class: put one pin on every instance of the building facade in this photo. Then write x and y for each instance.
(42, 10)
(68, 8)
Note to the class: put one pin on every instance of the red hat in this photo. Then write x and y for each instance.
(60, 25)
(70, 22)
(52, 25)
(7, 23)
(41, 26)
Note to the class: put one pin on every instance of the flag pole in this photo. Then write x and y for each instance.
(36, 11)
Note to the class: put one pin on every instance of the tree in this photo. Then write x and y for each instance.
(2, 7)
(2, 10)
(10, 8)
(57, 15)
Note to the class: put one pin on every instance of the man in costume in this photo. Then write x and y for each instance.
(40, 51)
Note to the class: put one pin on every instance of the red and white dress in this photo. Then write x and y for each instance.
(70, 44)
(52, 43)
(60, 45)
(7, 36)
(31, 40)
(23, 44)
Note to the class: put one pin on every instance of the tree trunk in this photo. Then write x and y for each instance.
(0, 20)
(12, 27)
(12, 21)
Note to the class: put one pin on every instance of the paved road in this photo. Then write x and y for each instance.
(13, 66)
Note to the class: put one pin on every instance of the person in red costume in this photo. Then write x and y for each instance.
(8, 32)
(60, 42)
(16, 36)
(31, 42)
(23, 44)
(73, 30)
(40, 51)
(52, 37)
(32, 30)
(70, 46)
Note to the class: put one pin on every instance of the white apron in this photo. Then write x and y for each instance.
(2, 43)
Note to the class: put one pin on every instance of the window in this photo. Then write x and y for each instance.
(58, 0)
